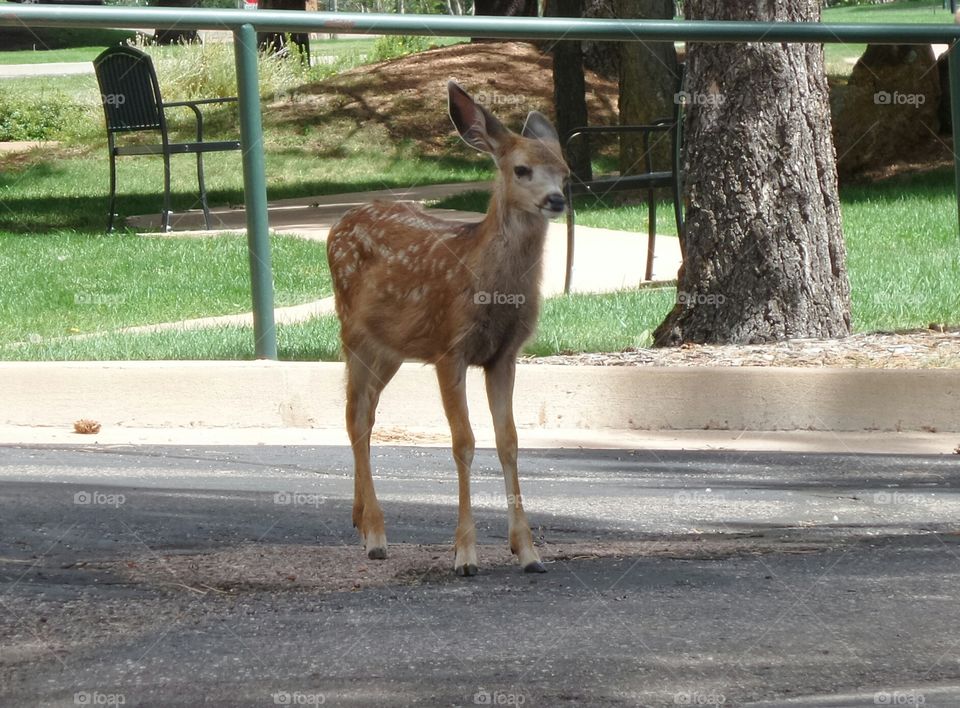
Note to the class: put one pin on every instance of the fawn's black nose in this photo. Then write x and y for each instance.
(556, 202)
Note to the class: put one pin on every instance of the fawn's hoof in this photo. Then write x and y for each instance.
(534, 567)
(466, 571)
(377, 554)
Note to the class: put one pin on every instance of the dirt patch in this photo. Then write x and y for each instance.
(345, 569)
(407, 98)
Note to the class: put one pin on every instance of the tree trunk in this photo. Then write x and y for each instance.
(764, 253)
(503, 8)
(602, 57)
(570, 90)
(506, 8)
(278, 42)
(176, 36)
(649, 78)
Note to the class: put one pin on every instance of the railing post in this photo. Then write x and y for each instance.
(255, 191)
(954, 60)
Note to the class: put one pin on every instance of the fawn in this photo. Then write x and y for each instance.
(409, 285)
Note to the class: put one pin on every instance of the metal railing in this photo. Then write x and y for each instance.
(245, 24)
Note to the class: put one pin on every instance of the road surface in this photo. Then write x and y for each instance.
(230, 576)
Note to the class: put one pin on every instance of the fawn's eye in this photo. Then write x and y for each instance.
(523, 171)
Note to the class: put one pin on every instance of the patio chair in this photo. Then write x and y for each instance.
(130, 94)
(649, 180)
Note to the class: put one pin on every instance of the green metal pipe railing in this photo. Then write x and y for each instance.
(245, 24)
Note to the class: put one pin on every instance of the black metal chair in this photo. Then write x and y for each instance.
(649, 180)
(130, 94)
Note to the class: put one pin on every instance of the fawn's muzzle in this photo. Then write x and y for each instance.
(555, 203)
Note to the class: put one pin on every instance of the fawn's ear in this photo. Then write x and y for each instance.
(477, 126)
(539, 127)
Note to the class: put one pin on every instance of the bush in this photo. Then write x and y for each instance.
(208, 71)
(25, 116)
(398, 45)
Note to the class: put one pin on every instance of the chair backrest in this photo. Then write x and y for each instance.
(129, 90)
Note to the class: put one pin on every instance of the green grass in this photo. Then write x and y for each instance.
(69, 283)
(903, 260)
(610, 322)
(840, 58)
(316, 340)
(43, 45)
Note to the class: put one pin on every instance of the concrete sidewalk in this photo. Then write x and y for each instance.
(605, 260)
(608, 405)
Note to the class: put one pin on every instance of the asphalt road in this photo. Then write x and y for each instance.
(178, 576)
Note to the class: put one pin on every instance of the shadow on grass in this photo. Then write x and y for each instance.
(25, 214)
(937, 183)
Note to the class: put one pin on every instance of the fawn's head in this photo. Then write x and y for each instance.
(531, 164)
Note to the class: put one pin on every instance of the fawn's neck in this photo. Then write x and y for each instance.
(515, 234)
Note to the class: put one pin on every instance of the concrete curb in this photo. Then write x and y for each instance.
(310, 395)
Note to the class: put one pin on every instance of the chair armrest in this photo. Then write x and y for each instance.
(193, 106)
(660, 124)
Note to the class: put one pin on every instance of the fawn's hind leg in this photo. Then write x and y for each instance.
(366, 378)
(500, 378)
(451, 375)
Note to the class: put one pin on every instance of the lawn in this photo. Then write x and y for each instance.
(840, 57)
(903, 260)
(72, 283)
(64, 277)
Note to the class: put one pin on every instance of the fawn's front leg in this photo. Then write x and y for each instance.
(499, 378)
(451, 374)
(366, 378)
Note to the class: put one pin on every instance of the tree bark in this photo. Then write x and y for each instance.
(570, 90)
(764, 252)
(176, 36)
(506, 8)
(649, 77)
(277, 42)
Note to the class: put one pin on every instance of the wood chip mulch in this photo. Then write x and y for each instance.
(922, 349)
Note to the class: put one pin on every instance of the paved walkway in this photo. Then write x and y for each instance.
(606, 260)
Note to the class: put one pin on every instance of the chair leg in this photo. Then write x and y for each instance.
(111, 211)
(165, 216)
(651, 233)
(570, 225)
(203, 191)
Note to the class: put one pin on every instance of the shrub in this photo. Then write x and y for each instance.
(43, 116)
(398, 45)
